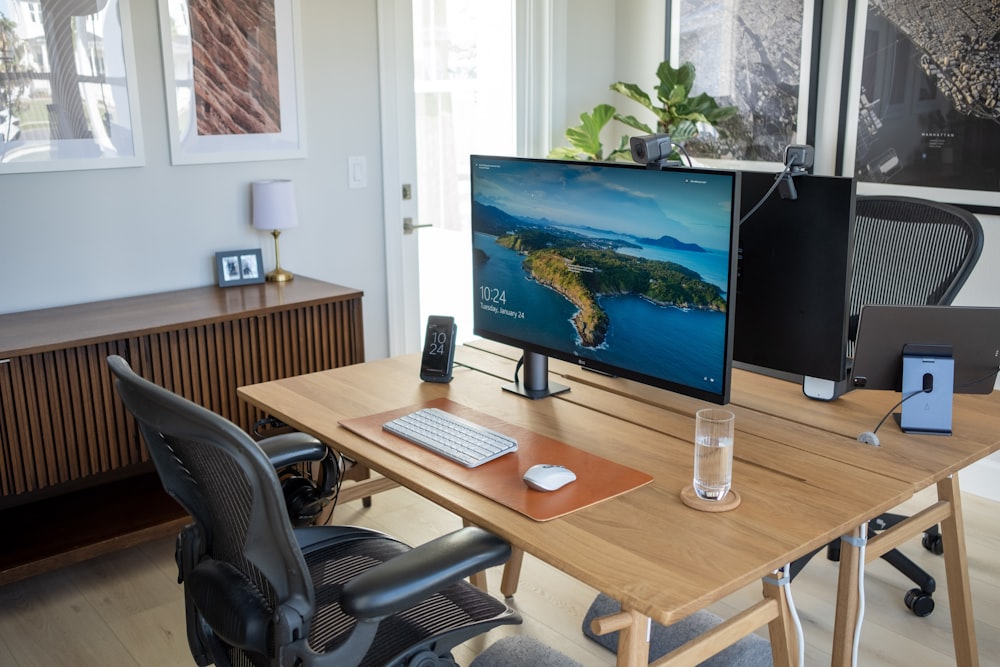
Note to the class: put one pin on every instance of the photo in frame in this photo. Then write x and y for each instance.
(233, 86)
(764, 60)
(68, 87)
(239, 267)
(921, 116)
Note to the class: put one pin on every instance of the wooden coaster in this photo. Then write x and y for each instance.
(691, 499)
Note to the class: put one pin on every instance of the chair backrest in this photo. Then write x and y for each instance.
(227, 484)
(911, 251)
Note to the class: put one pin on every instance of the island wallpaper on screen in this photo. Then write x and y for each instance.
(623, 266)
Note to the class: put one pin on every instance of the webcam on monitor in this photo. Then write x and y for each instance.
(650, 148)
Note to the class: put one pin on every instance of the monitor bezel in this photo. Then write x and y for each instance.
(722, 397)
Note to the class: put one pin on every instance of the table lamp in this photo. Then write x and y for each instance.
(274, 210)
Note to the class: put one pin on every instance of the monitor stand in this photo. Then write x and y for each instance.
(928, 382)
(536, 378)
(823, 389)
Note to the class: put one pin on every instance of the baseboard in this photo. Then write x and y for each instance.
(981, 478)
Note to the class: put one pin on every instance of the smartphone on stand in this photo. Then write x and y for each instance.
(439, 349)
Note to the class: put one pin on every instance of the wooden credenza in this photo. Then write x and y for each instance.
(75, 477)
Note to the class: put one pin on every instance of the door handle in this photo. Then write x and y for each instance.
(409, 227)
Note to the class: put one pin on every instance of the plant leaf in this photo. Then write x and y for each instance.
(634, 93)
(632, 121)
(670, 78)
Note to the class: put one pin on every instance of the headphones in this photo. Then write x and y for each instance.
(305, 498)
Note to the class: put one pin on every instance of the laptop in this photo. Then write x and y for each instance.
(972, 332)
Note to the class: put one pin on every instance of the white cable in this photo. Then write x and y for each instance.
(799, 635)
(861, 593)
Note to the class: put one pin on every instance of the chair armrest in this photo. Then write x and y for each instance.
(291, 448)
(411, 577)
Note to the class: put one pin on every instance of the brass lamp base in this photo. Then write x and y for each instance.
(279, 275)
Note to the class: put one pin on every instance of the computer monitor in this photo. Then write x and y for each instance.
(793, 284)
(618, 268)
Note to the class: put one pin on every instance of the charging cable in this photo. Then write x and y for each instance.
(785, 585)
(860, 543)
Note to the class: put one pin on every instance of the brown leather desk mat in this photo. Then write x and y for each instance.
(597, 479)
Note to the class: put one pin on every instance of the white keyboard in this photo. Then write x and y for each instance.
(455, 438)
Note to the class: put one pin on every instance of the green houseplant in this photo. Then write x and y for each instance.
(677, 113)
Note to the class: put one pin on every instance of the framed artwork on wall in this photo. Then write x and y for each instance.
(68, 90)
(233, 80)
(763, 59)
(239, 267)
(921, 112)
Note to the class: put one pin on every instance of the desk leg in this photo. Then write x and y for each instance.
(511, 572)
(848, 601)
(963, 624)
(784, 642)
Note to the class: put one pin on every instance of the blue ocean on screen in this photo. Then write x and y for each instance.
(641, 336)
(712, 265)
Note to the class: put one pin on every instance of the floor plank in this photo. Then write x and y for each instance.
(126, 609)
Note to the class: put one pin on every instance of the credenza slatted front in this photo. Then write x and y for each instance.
(61, 419)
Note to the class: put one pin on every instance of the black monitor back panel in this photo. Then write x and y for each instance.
(794, 276)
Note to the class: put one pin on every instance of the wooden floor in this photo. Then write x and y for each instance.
(126, 609)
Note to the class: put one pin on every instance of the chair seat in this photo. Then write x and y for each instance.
(453, 614)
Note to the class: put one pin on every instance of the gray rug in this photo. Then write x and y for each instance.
(521, 651)
(752, 651)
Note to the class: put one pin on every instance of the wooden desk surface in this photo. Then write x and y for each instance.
(758, 400)
(646, 548)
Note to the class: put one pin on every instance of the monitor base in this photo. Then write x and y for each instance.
(551, 389)
(824, 390)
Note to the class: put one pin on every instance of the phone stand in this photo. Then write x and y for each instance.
(929, 380)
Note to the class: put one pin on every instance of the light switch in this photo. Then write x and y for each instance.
(357, 172)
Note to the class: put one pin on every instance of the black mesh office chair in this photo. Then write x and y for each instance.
(910, 252)
(259, 592)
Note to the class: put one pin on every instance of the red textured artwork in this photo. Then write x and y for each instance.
(235, 56)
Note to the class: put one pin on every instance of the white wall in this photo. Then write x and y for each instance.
(70, 237)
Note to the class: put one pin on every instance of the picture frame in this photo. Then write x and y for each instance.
(902, 131)
(757, 68)
(69, 103)
(262, 118)
(239, 267)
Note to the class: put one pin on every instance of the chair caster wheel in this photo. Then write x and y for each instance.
(933, 543)
(920, 603)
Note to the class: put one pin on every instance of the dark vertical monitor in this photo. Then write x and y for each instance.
(794, 278)
(618, 268)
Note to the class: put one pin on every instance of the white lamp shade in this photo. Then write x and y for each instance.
(274, 205)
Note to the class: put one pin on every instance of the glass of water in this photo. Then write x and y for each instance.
(713, 453)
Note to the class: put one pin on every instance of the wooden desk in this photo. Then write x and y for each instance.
(660, 559)
(917, 460)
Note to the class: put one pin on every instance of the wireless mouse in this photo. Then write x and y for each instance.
(548, 476)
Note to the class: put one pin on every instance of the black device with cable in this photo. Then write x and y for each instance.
(306, 496)
(294, 456)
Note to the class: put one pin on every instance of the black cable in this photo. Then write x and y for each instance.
(786, 172)
(905, 398)
(520, 362)
(684, 152)
(977, 381)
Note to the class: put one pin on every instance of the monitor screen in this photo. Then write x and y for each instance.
(615, 267)
(794, 277)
